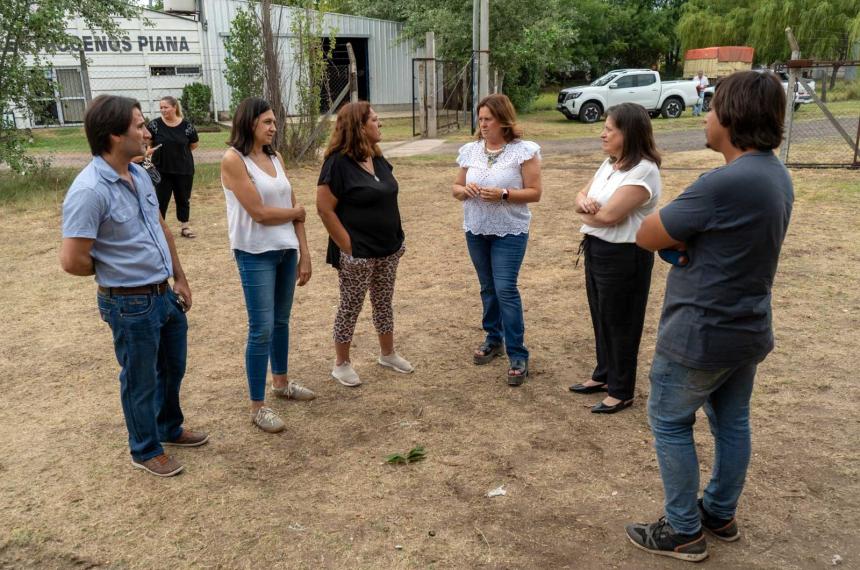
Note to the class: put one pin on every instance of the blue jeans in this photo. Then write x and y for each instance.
(676, 393)
(697, 108)
(269, 281)
(150, 334)
(497, 259)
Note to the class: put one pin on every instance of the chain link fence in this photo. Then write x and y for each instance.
(824, 129)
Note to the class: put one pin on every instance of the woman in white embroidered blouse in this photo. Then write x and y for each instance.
(499, 175)
(612, 205)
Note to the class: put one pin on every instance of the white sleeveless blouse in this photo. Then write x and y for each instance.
(246, 234)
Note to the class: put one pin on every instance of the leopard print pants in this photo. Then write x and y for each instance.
(356, 276)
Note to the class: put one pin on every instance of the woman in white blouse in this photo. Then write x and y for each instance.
(624, 190)
(499, 175)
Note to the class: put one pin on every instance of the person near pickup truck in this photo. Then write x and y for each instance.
(702, 83)
(499, 176)
(612, 205)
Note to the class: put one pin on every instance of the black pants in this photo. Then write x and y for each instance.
(617, 281)
(178, 185)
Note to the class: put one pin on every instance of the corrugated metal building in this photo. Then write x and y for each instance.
(159, 53)
(384, 60)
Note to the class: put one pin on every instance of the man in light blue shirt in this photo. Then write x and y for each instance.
(112, 229)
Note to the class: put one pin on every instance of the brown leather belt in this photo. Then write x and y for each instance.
(157, 289)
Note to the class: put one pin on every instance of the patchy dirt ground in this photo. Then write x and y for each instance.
(320, 496)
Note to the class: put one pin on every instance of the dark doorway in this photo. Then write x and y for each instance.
(337, 71)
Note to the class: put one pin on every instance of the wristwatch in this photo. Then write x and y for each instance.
(505, 193)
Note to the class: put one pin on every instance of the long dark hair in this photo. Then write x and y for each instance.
(348, 135)
(635, 125)
(242, 132)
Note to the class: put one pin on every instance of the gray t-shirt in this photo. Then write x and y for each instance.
(717, 311)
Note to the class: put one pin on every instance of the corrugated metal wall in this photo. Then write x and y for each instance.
(389, 59)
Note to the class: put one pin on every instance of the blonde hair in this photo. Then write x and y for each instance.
(173, 102)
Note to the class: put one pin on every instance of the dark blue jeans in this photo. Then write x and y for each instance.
(497, 260)
(150, 335)
(269, 281)
(676, 393)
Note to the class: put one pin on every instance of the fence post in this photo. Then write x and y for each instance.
(353, 74)
(793, 73)
(422, 97)
(430, 48)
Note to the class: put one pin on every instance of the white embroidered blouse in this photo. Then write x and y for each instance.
(496, 218)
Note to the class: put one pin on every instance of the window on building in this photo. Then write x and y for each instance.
(188, 70)
(159, 70)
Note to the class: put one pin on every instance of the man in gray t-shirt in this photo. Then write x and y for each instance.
(729, 226)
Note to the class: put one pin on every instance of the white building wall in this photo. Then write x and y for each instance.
(389, 58)
(124, 66)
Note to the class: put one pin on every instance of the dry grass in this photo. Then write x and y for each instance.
(320, 495)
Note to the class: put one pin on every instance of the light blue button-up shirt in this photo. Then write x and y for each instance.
(130, 249)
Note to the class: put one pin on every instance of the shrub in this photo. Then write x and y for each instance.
(196, 99)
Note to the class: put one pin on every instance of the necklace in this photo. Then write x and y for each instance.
(368, 170)
(493, 155)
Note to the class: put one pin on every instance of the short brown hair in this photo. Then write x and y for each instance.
(107, 115)
(635, 125)
(751, 105)
(348, 135)
(503, 111)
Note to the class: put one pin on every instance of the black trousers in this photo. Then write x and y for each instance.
(179, 186)
(617, 281)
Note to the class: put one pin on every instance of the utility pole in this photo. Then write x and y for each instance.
(476, 11)
(484, 57)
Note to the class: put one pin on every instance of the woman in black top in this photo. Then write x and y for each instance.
(357, 201)
(173, 139)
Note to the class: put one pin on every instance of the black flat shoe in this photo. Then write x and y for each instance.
(602, 408)
(583, 389)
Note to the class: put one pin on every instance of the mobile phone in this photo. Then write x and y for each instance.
(675, 257)
(182, 304)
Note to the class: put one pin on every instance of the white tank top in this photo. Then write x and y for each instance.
(246, 234)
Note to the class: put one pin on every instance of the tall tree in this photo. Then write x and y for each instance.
(30, 33)
(824, 29)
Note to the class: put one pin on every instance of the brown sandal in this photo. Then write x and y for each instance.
(187, 233)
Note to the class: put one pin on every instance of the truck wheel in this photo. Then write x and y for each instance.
(672, 108)
(706, 105)
(590, 113)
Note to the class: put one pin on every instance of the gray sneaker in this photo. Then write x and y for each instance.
(395, 362)
(294, 391)
(161, 465)
(268, 421)
(346, 375)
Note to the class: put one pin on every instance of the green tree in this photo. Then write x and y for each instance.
(30, 33)
(824, 30)
(244, 59)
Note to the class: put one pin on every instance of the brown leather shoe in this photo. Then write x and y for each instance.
(160, 466)
(189, 439)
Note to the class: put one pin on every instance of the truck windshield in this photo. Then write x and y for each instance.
(601, 81)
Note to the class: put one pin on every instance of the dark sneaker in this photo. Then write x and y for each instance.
(660, 538)
(160, 466)
(189, 439)
(724, 529)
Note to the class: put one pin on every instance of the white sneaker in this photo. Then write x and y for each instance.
(346, 375)
(396, 362)
(267, 420)
(294, 391)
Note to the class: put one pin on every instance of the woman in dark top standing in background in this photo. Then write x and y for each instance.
(173, 139)
(357, 201)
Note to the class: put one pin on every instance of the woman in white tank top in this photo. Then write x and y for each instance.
(267, 236)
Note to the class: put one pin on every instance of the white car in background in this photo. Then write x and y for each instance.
(802, 97)
(643, 86)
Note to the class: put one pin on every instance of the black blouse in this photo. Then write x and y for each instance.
(174, 156)
(366, 207)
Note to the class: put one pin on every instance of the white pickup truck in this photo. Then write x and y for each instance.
(802, 96)
(643, 86)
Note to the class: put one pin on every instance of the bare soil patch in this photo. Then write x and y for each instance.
(320, 495)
